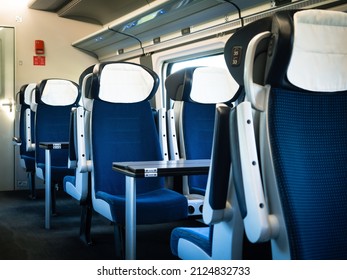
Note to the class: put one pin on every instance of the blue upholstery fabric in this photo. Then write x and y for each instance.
(216, 202)
(197, 112)
(51, 128)
(198, 132)
(157, 206)
(131, 132)
(131, 139)
(200, 236)
(308, 134)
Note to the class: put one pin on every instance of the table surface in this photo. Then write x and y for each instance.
(54, 145)
(162, 168)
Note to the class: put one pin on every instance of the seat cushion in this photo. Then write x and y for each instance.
(69, 179)
(157, 206)
(200, 236)
(57, 172)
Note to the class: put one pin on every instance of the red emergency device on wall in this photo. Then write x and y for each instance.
(39, 47)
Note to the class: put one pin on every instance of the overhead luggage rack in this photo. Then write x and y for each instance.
(156, 25)
(149, 27)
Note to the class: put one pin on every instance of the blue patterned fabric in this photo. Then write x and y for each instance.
(52, 125)
(308, 135)
(158, 206)
(127, 132)
(200, 236)
(198, 131)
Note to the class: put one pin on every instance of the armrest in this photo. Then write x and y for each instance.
(30, 146)
(82, 141)
(172, 135)
(163, 132)
(255, 93)
(72, 161)
(217, 202)
(259, 225)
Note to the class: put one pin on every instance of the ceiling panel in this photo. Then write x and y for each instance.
(98, 12)
(47, 5)
(103, 12)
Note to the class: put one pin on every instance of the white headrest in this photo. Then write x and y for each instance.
(124, 83)
(29, 93)
(319, 58)
(59, 92)
(212, 85)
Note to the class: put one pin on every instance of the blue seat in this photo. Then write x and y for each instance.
(25, 140)
(195, 91)
(55, 99)
(293, 171)
(78, 184)
(223, 237)
(123, 129)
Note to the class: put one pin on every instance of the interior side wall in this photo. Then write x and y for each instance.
(61, 59)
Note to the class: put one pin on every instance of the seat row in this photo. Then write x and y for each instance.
(273, 128)
(110, 109)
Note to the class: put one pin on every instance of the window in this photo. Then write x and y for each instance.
(213, 60)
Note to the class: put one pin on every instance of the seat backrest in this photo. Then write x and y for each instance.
(55, 99)
(296, 194)
(77, 185)
(195, 92)
(222, 238)
(122, 126)
(26, 124)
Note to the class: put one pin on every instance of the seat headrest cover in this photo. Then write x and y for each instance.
(206, 85)
(125, 83)
(319, 56)
(59, 92)
(213, 85)
(28, 93)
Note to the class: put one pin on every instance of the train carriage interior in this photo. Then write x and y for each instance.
(173, 130)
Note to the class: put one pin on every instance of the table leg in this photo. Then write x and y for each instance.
(47, 189)
(130, 218)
